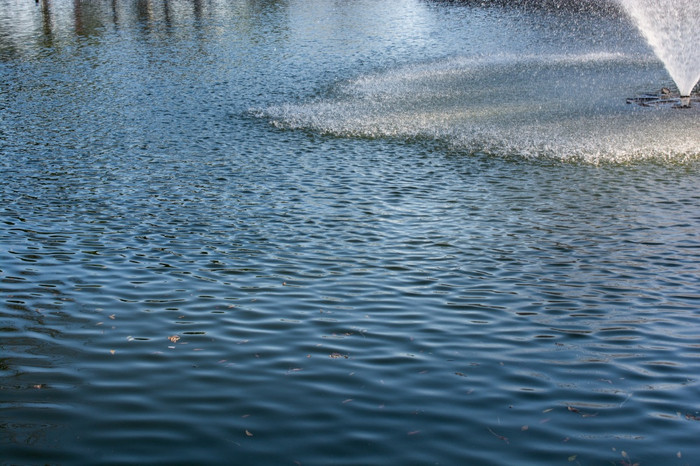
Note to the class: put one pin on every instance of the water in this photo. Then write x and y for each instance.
(671, 30)
(559, 106)
(265, 233)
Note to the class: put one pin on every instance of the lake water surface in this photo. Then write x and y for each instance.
(343, 232)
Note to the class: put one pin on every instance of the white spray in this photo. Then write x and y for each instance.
(672, 28)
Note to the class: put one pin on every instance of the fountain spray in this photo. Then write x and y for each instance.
(671, 29)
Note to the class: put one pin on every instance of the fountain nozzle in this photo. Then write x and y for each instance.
(684, 102)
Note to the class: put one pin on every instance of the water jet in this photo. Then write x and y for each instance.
(671, 29)
(684, 102)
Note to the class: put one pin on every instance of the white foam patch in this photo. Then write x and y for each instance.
(567, 107)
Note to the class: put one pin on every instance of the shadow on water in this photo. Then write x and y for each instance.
(36, 370)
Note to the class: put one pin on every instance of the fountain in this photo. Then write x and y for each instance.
(671, 29)
(557, 96)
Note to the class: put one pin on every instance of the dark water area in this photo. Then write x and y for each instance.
(284, 232)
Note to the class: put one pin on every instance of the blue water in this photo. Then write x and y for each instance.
(285, 232)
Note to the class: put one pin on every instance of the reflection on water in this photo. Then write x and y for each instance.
(359, 282)
(25, 28)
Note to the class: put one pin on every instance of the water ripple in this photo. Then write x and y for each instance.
(181, 277)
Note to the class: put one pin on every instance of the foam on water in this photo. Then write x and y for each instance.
(566, 107)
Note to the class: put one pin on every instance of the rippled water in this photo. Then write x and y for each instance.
(281, 232)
